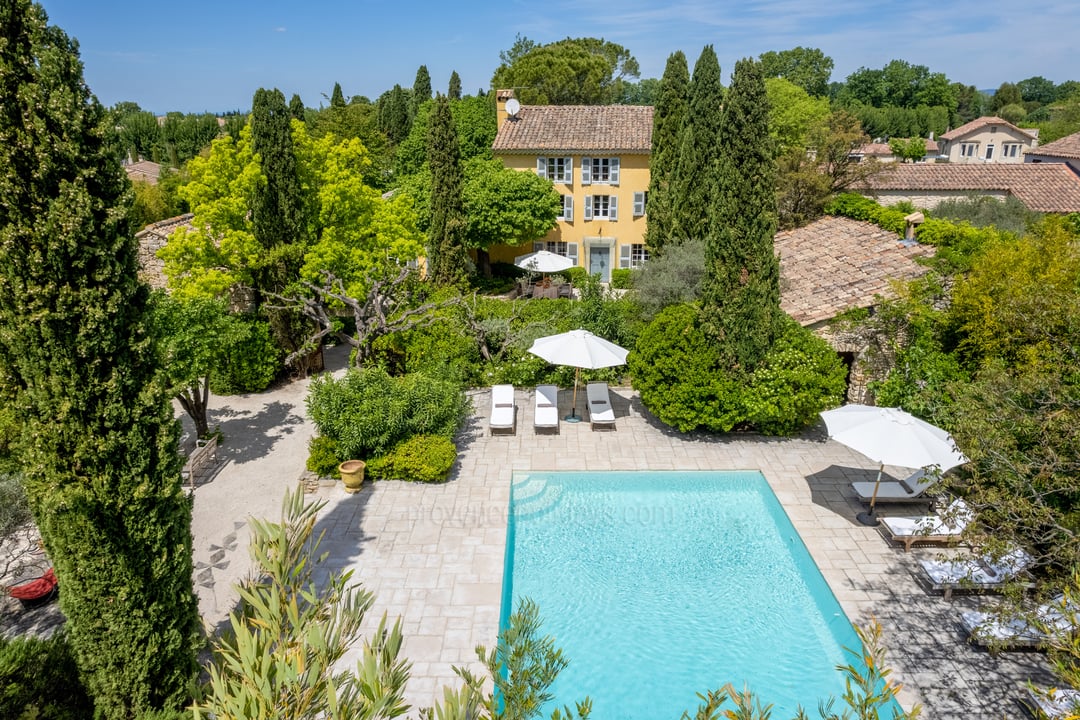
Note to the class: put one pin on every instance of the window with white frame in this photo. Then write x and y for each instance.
(601, 207)
(1010, 150)
(556, 169)
(603, 171)
(566, 249)
(567, 213)
(969, 149)
(632, 255)
(640, 200)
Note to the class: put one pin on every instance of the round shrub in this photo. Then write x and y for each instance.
(621, 278)
(421, 458)
(368, 412)
(251, 361)
(678, 370)
(800, 376)
(39, 679)
(324, 457)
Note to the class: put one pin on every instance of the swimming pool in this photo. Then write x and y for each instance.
(661, 585)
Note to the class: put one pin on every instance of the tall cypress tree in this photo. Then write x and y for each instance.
(78, 368)
(695, 182)
(421, 89)
(454, 90)
(446, 247)
(393, 114)
(277, 209)
(741, 291)
(296, 108)
(337, 98)
(669, 118)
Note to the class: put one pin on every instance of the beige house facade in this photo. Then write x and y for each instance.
(988, 140)
(597, 157)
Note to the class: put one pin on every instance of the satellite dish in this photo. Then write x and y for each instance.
(512, 107)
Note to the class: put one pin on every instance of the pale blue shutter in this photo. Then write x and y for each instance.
(571, 252)
(613, 207)
(613, 171)
(624, 256)
(541, 167)
(568, 208)
(639, 204)
(568, 178)
(588, 206)
(586, 172)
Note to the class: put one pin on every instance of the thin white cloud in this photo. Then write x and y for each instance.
(280, 28)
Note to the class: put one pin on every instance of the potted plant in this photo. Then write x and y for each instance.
(352, 474)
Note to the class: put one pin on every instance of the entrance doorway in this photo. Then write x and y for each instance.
(600, 262)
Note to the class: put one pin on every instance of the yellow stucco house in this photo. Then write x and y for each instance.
(598, 158)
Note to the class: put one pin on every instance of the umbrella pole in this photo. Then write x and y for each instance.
(573, 416)
(868, 518)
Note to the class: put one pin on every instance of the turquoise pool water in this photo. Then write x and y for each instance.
(658, 586)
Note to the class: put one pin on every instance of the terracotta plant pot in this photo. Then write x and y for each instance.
(352, 474)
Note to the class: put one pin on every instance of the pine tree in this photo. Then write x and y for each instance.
(277, 209)
(296, 108)
(79, 370)
(337, 98)
(695, 181)
(446, 247)
(421, 90)
(741, 291)
(454, 91)
(669, 118)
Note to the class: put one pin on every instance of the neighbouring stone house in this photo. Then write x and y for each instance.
(143, 171)
(882, 152)
(1065, 150)
(837, 264)
(988, 140)
(598, 158)
(151, 239)
(1042, 187)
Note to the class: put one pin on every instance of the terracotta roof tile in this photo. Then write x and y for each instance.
(1067, 147)
(835, 264)
(574, 128)
(144, 170)
(1043, 187)
(982, 122)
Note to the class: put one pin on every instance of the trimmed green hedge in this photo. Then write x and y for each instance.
(422, 458)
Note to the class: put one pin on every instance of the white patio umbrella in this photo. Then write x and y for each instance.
(580, 349)
(543, 261)
(890, 436)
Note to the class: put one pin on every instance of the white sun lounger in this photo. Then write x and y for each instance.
(546, 414)
(600, 410)
(929, 528)
(1054, 703)
(910, 489)
(503, 409)
(975, 574)
(1021, 631)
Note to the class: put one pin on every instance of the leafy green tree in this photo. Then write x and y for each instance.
(899, 84)
(185, 136)
(446, 235)
(643, 92)
(809, 68)
(971, 102)
(574, 71)
(695, 181)
(141, 136)
(474, 124)
(102, 474)
(192, 335)
(454, 89)
(277, 208)
(793, 115)
(281, 657)
(1037, 89)
(669, 118)
(1006, 94)
(908, 149)
(741, 292)
(296, 108)
(1014, 113)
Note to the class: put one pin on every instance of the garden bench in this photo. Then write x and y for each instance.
(201, 461)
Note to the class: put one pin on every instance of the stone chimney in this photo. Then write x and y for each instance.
(501, 96)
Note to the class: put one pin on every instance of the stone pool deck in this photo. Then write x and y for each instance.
(434, 554)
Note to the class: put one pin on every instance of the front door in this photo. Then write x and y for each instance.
(600, 262)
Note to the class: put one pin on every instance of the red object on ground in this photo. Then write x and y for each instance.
(36, 590)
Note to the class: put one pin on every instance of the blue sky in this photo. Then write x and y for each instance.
(196, 55)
